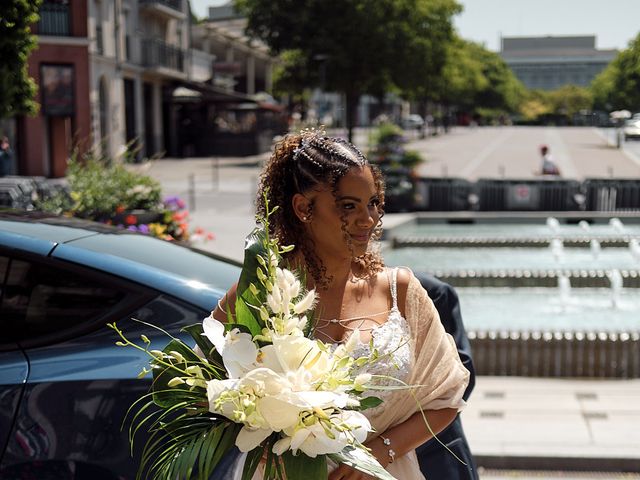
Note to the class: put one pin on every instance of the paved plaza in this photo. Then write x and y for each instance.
(511, 422)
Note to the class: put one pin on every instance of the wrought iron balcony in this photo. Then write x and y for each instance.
(54, 19)
(156, 53)
(174, 4)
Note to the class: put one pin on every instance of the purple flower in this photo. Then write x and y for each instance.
(143, 228)
(174, 203)
(132, 228)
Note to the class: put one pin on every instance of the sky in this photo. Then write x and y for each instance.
(613, 22)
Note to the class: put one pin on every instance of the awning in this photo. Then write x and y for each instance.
(188, 91)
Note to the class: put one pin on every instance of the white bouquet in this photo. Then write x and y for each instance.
(259, 381)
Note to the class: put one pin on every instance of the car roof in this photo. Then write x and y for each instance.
(195, 276)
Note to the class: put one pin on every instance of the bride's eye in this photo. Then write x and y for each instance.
(348, 206)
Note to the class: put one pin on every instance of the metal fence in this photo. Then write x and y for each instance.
(612, 195)
(529, 195)
(442, 194)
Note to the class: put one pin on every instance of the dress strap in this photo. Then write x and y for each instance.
(394, 288)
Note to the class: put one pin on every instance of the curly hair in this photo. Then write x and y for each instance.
(299, 163)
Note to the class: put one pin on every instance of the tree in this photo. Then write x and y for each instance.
(476, 80)
(16, 42)
(618, 86)
(354, 46)
(569, 100)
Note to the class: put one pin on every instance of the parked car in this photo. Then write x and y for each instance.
(412, 121)
(65, 386)
(631, 129)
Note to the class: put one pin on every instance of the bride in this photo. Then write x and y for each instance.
(330, 204)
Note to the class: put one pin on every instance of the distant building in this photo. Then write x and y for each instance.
(547, 63)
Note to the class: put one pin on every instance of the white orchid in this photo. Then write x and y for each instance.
(236, 348)
(345, 428)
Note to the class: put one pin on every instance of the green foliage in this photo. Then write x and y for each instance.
(108, 192)
(353, 46)
(386, 133)
(476, 80)
(99, 190)
(561, 104)
(16, 42)
(388, 149)
(618, 86)
(569, 100)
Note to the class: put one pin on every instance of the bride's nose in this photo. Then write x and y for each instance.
(366, 217)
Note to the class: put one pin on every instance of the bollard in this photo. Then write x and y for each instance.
(192, 192)
(215, 174)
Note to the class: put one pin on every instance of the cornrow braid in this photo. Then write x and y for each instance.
(299, 163)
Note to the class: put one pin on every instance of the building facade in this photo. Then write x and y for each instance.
(548, 63)
(139, 53)
(138, 77)
(60, 68)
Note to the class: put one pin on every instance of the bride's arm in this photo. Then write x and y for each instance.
(411, 433)
(228, 301)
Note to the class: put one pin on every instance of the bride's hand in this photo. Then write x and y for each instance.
(378, 450)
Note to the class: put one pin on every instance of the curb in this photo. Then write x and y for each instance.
(579, 464)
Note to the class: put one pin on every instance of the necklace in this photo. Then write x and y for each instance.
(344, 321)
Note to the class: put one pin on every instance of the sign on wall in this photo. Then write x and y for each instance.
(57, 90)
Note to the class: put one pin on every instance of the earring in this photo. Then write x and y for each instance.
(304, 219)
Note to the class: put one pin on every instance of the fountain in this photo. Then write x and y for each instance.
(617, 225)
(594, 246)
(616, 287)
(564, 288)
(634, 248)
(584, 225)
(553, 224)
(566, 296)
(557, 249)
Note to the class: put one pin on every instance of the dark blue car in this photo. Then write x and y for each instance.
(65, 386)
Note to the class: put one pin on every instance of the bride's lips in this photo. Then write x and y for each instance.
(361, 237)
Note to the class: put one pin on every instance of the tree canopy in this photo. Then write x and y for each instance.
(355, 46)
(16, 42)
(618, 86)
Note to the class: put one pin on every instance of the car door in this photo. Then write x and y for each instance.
(65, 412)
(14, 370)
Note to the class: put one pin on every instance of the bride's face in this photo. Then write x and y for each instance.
(342, 222)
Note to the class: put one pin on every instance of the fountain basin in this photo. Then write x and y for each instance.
(482, 258)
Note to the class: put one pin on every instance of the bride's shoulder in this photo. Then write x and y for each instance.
(404, 276)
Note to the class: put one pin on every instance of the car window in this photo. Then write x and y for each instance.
(4, 263)
(41, 299)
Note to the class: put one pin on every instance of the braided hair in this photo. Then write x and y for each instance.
(299, 163)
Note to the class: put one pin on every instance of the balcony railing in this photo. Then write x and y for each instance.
(175, 4)
(54, 19)
(156, 53)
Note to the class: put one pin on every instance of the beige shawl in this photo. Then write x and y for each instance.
(436, 370)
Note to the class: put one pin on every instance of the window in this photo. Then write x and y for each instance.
(4, 265)
(39, 299)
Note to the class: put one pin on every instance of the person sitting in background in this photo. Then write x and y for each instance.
(549, 167)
